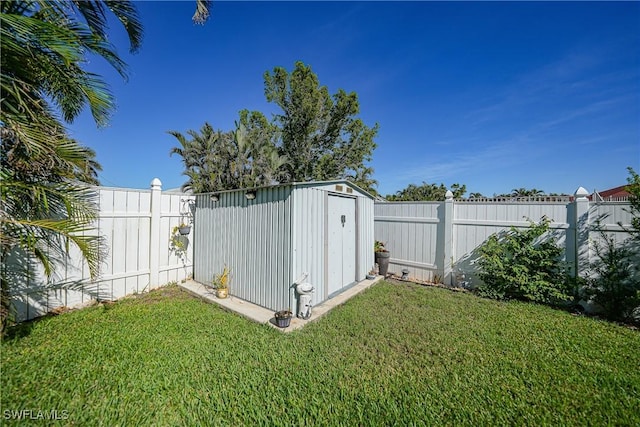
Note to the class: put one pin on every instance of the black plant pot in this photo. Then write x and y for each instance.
(283, 318)
(382, 259)
(184, 230)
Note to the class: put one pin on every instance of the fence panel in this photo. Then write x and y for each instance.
(411, 232)
(125, 222)
(473, 223)
(417, 233)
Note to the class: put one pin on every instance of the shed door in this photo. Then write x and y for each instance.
(341, 242)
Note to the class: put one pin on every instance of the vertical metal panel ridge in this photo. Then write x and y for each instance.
(308, 255)
(251, 238)
(270, 241)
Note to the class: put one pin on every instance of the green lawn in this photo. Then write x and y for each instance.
(396, 354)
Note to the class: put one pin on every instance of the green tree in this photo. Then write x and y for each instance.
(614, 280)
(216, 160)
(316, 137)
(524, 192)
(46, 204)
(203, 159)
(363, 179)
(426, 192)
(318, 132)
(633, 187)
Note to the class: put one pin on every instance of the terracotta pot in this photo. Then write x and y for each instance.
(222, 292)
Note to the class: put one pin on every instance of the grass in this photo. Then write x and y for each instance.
(396, 354)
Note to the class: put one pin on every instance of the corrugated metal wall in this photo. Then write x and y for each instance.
(271, 241)
(309, 228)
(309, 234)
(251, 237)
(365, 209)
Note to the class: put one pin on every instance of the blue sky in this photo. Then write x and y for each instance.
(494, 95)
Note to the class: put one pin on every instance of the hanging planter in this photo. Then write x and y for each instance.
(283, 318)
(184, 229)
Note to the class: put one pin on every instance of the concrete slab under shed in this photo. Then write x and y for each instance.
(262, 315)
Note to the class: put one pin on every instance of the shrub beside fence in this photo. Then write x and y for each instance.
(137, 226)
(438, 241)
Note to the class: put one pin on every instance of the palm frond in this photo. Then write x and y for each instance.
(202, 11)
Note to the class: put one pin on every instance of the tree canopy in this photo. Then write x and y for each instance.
(217, 160)
(426, 192)
(524, 192)
(319, 132)
(315, 136)
(633, 187)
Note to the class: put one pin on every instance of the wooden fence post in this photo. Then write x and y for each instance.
(582, 247)
(154, 238)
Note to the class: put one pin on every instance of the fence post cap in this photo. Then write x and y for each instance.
(448, 195)
(156, 184)
(581, 193)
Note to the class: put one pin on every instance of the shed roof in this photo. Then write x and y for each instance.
(299, 184)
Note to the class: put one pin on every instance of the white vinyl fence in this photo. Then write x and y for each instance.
(438, 241)
(137, 226)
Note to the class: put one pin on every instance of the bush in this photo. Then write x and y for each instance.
(614, 282)
(521, 264)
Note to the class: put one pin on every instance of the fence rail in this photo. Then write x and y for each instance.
(509, 199)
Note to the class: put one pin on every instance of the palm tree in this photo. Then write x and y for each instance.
(523, 192)
(258, 158)
(363, 179)
(202, 11)
(46, 203)
(216, 160)
(201, 157)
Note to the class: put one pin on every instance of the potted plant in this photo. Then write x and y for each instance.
(184, 229)
(283, 318)
(382, 256)
(371, 274)
(221, 283)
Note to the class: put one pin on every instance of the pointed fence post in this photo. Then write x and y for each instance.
(582, 247)
(448, 238)
(154, 238)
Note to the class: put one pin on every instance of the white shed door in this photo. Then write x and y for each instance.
(341, 242)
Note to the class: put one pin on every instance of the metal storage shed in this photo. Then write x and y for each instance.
(270, 236)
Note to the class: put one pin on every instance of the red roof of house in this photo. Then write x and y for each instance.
(613, 193)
